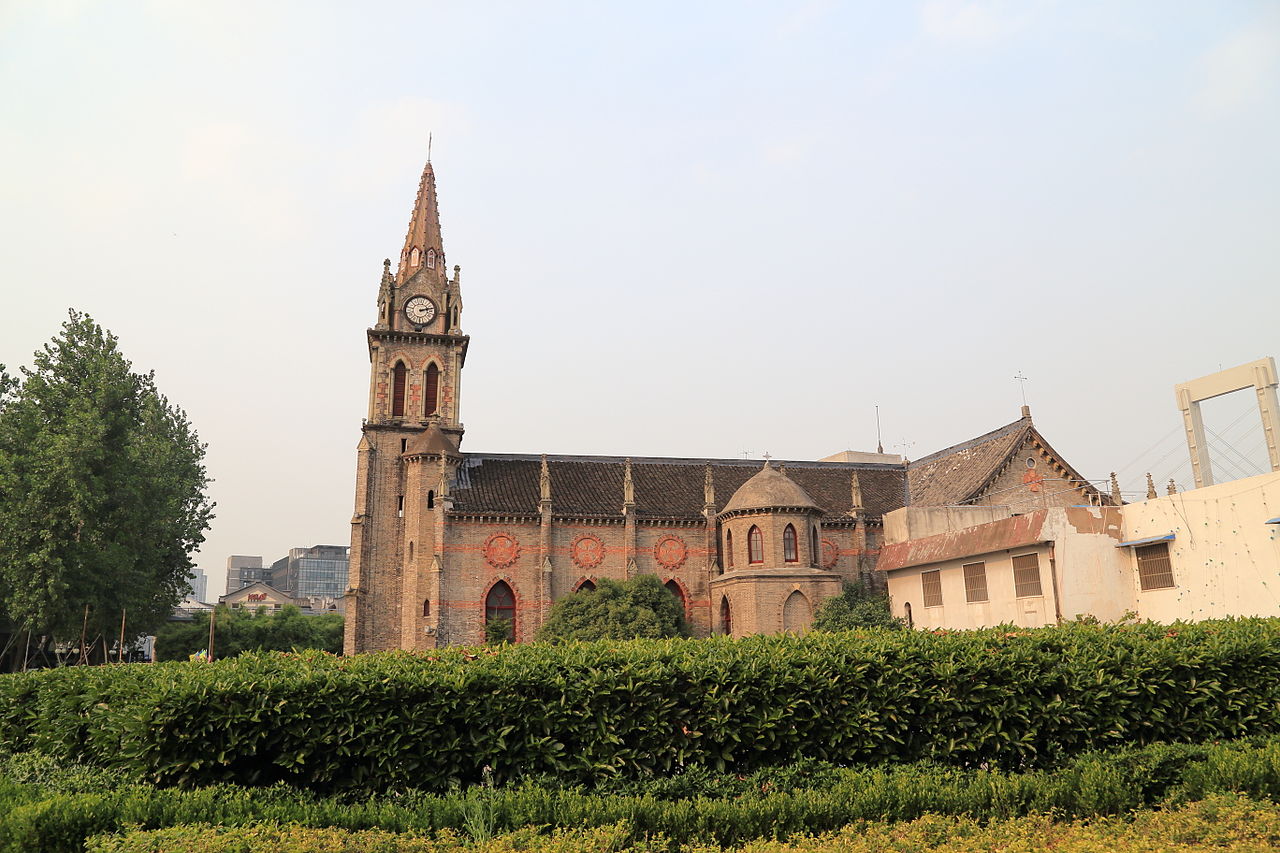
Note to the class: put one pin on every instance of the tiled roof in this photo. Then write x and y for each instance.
(959, 473)
(665, 488)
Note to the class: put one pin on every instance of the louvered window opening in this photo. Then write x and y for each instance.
(975, 582)
(431, 391)
(931, 586)
(1155, 571)
(1026, 576)
(399, 375)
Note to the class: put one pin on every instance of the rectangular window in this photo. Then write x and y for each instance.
(931, 586)
(975, 582)
(1154, 569)
(400, 506)
(1026, 575)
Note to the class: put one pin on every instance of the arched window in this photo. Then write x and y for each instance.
(431, 258)
(815, 549)
(726, 617)
(500, 604)
(755, 545)
(414, 255)
(426, 607)
(410, 550)
(398, 377)
(728, 548)
(674, 589)
(431, 499)
(586, 586)
(907, 610)
(789, 548)
(431, 389)
(796, 613)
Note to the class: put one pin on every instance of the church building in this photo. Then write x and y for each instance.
(445, 542)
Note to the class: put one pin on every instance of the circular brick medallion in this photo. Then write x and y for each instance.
(501, 550)
(671, 552)
(587, 551)
(830, 554)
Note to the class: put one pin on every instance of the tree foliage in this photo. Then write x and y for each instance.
(855, 607)
(102, 490)
(238, 630)
(639, 608)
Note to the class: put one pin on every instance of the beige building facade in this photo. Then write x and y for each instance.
(1200, 554)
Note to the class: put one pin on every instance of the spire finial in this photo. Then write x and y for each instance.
(628, 487)
(1151, 487)
(544, 480)
(1116, 498)
(879, 441)
(855, 492)
(1173, 487)
(708, 488)
(428, 149)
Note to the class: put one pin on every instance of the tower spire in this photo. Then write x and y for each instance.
(423, 246)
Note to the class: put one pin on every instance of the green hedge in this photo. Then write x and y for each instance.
(1000, 698)
(1223, 823)
(37, 818)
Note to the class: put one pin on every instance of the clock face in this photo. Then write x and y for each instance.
(420, 310)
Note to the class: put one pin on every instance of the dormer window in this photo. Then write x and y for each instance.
(431, 259)
(414, 256)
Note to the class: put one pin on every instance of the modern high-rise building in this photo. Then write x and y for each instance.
(243, 571)
(199, 585)
(318, 572)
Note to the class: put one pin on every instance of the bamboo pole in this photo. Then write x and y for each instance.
(120, 651)
(213, 615)
(84, 631)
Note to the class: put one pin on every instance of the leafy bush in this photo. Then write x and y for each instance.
(585, 711)
(239, 631)
(640, 608)
(855, 607)
(770, 804)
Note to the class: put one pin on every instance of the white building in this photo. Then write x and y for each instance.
(1200, 554)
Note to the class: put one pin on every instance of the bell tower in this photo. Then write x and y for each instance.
(408, 450)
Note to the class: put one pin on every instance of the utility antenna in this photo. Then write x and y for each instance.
(746, 454)
(879, 441)
(428, 148)
(1022, 381)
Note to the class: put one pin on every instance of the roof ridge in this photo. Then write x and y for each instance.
(999, 432)
(674, 460)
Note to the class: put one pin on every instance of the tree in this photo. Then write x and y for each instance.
(238, 630)
(640, 607)
(102, 492)
(855, 607)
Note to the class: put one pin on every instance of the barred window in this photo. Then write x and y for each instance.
(1026, 575)
(931, 586)
(975, 582)
(1154, 569)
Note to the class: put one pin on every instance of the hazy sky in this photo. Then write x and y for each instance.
(689, 229)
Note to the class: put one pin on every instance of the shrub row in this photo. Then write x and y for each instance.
(1223, 823)
(1002, 698)
(36, 818)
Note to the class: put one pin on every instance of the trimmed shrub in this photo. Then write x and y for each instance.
(770, 804)
(641, 709)
(1222, 823)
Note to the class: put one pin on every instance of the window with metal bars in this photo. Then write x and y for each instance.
(1026, 575)
(975, 582)
(1154, 569)
(931, 586)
